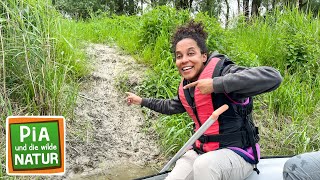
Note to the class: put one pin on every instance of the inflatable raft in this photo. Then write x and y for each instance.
(270, 169)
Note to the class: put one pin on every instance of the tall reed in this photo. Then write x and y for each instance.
(36, 78)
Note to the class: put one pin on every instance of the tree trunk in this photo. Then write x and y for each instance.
(238, 1)
(190, 3)
(273, 4)
(246, 9)
(267, 6)
(227, 15)
(141, 1)
(131, 9)
(255, 7)
(153, 3)
(120, 7)
(301, 4)
(210, 8)
(183, 4)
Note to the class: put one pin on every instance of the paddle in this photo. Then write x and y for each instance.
(196, 136)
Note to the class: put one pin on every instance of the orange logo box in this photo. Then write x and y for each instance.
(35, 145)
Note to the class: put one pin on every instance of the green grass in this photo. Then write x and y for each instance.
(288, 41)
(39, 67)
(35, 69)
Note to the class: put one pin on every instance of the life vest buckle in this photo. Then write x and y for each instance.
(204, 139)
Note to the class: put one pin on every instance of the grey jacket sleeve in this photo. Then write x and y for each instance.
(244, 82)
(164, 106)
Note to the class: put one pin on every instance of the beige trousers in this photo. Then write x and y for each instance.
(222, 164)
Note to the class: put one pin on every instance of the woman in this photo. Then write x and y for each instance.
(228, 149)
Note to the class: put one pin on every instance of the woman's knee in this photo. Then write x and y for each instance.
(204, 164)
(200, 163)
(204, 168)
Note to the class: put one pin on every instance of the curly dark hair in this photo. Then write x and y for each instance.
(191, 30)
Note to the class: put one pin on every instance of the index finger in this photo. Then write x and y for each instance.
(219, 111)
(190, 85)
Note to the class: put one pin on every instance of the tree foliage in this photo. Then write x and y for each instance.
(214, 8)
(84, 8)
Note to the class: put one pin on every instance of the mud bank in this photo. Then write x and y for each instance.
(106, 138)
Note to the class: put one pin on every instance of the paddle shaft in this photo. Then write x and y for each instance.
(189, 143)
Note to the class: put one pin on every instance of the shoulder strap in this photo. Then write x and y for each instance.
(224, 61)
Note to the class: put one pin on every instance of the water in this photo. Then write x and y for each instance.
(124, 172)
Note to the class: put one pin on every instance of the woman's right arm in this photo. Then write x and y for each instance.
(164, 106)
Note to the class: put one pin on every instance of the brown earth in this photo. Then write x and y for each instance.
(108, 139)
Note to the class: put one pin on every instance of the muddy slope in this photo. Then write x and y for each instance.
(107, 137)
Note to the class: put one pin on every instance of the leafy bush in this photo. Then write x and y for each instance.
(162, 20)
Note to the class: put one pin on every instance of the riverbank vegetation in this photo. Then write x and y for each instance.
(287, 40)
(42, 61)
(39, 67)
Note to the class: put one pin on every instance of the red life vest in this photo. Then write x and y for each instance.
(204, 107)
(234, 128)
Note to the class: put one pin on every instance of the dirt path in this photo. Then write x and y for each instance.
(106, 137)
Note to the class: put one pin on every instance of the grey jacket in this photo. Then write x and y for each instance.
(239, 82)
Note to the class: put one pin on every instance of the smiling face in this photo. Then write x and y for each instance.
(189, 59)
